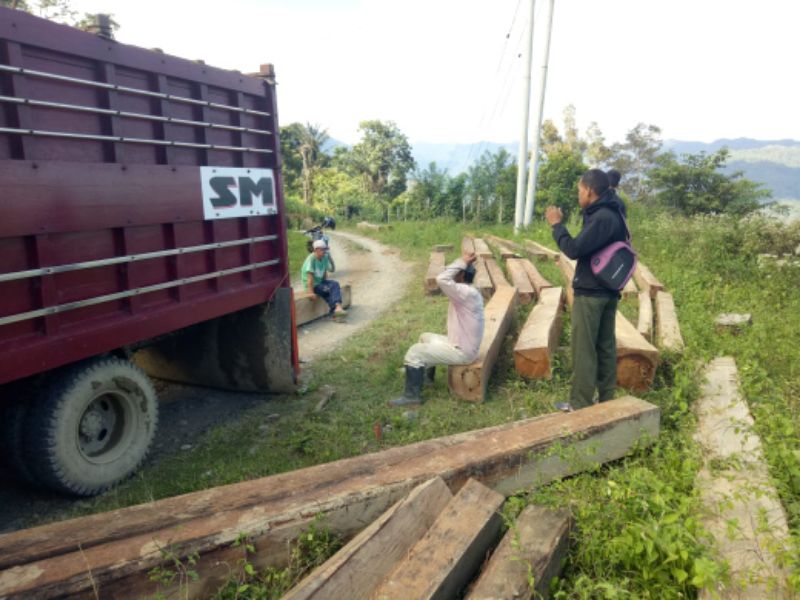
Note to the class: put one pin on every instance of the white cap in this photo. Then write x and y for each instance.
(319, 244)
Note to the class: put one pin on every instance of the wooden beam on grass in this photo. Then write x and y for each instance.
(646, 280)
(520, 279)
(504, 247)
(538, 341)
(356, 570)
(435, 267)
(739, 504)
(481, 249)
(121, 547)
(538, 282)
(445, 560)
(496, 274)
(668, 331)
(645, 324)
(467, 245)
(482, 281)
(567, 268)
(443, 248)
(540, 250)
(309, 307)
(469, 382)
(637, 359)
(630, 290)
(533, 550)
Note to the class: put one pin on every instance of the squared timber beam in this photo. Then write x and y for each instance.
(435, 267)
(538, 341)
(535, 546)
(520, 280)
(356, 570)
(445, 560)
(309, 307)
(469, 382)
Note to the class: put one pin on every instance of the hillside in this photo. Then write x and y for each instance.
(775, 164)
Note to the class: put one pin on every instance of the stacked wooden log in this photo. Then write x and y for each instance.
(435, 267)
(637, 359)
(469, 382)
(112, 554)
(309, 307)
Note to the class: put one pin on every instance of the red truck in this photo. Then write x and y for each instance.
(142, 231)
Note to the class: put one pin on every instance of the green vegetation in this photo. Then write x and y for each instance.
(638, 534)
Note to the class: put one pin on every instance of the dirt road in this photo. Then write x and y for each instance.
(377, 277)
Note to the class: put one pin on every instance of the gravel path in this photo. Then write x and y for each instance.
(377, 276)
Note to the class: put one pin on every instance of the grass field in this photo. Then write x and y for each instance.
(637, 530)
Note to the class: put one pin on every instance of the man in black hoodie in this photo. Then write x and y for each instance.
(594, 345)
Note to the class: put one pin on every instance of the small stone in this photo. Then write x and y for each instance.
(253, 451)
(272, 418)
(733, 321)
(208, 473)
(264, 428)
(410, 415)
(387, 428)
(186, 447)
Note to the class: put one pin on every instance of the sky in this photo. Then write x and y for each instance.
(451, 71)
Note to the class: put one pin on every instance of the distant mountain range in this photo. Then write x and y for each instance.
(773, 163)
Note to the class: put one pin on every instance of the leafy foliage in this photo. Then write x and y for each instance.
(697, 185)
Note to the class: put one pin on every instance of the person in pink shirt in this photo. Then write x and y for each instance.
(462, 343)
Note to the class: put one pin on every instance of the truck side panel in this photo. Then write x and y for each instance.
(103, 239)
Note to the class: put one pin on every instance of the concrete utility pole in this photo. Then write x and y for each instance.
(533, 172)
(519, 204)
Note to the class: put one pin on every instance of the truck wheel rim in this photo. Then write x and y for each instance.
(102, 428)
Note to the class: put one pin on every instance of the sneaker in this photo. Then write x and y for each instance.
(564, 407)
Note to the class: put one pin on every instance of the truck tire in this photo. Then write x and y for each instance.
(91, 426)
(13, 414)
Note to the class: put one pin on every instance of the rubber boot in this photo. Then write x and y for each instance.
(430, 375)
(413, 391)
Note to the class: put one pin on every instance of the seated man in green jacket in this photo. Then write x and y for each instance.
(314, 275)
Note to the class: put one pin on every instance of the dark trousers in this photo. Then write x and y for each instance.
(594, 349)
(329, 291)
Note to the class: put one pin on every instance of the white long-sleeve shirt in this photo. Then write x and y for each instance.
(465, 313)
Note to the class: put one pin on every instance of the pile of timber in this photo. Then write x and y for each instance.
(469, 382)
(431, 543)
(111, 554)
(309, 307)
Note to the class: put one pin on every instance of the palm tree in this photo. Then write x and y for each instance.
(312, 138)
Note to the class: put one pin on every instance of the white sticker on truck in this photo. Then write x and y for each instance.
(237, 192)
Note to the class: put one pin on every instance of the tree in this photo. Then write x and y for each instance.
(597, 153)
(558, 179)
(383, 158)
(292, 162)
(489, 187)
(635, 156)
(311, 140)
(695, 185)
(60, 11)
